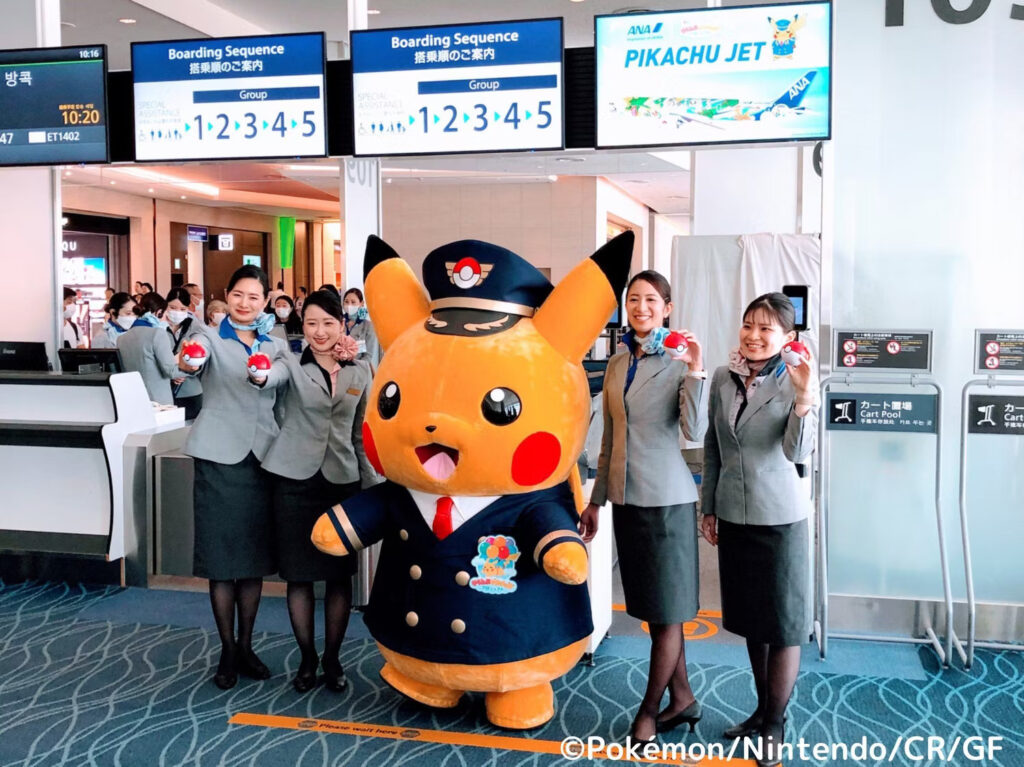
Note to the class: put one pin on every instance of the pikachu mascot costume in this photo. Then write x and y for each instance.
(477, 415)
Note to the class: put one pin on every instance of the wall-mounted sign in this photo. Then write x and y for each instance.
(714, 75)
(993, 414)
(883, 351)
(252, 261)
(53, 106)
(225, 242)
(231, 97)
(999, 351)
(197, 233)
(890, 411)
(466, 88)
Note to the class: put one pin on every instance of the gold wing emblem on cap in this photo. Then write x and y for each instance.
(470, 278)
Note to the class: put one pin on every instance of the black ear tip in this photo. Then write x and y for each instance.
(614, 259)
(377, 251)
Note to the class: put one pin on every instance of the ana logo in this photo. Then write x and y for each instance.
(468, 272)
(797, 87)
(644, 30)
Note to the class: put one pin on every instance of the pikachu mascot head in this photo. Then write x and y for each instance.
(477, 415)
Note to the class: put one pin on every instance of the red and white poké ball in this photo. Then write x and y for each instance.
(194, 354)
(676, 344)
(795, 354)
(259, 366)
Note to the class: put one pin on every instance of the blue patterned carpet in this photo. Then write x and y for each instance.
(106, 676)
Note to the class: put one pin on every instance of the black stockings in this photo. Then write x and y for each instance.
(667, 671)
(337, 607)
(775, 671)
(227, 598)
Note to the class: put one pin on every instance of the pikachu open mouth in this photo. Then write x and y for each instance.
(439, 461)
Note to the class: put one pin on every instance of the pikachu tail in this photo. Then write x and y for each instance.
(576, 483)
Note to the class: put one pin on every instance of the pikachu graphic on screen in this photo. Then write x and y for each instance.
(476, 418)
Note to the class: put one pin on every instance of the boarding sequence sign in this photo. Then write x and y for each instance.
(714, 75)
(230, 98)
(53, 106)
(464, 88)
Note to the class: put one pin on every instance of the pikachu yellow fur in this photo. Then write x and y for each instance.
(477, 416)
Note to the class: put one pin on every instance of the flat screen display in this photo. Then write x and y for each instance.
(466, 88)
(53, 106)
(714, 76)
(230, 98)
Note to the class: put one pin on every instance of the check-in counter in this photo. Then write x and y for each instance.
(68, 489)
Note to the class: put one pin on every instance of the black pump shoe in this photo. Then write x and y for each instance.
(248, 664)
(771, 744)
(745, 729)
(691, 715)
(334, 675)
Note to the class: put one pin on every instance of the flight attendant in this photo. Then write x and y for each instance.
(146, 348)
(650, 394)
(120, 317)
(234, 525)
(317, 461)
(358, 325)
(763, 419)
(187, 390)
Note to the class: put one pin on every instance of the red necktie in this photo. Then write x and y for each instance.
(443, 518)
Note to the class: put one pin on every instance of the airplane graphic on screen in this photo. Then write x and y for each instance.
(708, 111)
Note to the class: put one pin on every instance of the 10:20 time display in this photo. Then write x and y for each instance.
(250, 124)
(512, 117)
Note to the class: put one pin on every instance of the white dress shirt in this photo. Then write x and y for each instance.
(464, 508)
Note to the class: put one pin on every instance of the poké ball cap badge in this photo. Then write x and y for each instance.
(194, 354)
(259, 365)
(795, 353)
(676, 343)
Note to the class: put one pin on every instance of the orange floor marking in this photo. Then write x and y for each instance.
(414, 735)
(621, 608)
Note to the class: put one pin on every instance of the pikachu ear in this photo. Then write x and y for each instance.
(394, 297)
(579, 307)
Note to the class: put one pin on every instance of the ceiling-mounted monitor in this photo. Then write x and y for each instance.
(485, 87)
(53, 105)
(230, 98)
(714, 75)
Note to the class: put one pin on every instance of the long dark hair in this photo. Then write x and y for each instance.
(179, 294)
(294, 323)
(777, 306)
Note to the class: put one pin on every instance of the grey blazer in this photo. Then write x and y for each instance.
(319, 431)
(237, 417)
(749, 477)
(148, 350)
(190, 387)
(364, 331)
(641, 463)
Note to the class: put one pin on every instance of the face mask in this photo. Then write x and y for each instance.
(199, 308)
(176, 316)
(283, 312)
(126, 321)
(70, 311)
(218, 317)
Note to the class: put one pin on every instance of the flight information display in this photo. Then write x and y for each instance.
(714, 76)
(466, 88)
(230, 98)
(53, 106)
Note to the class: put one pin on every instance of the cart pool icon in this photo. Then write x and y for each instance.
(986, 411)
(843, 411)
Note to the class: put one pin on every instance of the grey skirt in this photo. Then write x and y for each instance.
(657, 547)
(234, 521)
(765, 574)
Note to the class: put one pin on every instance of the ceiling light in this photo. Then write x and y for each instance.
(127, 21)
(67, 173)
(64, 221)
(387, 181)
(184, 197)
(575, 1)
(68, 24)
(112, 183)
(552, 177)
(150, 191)
(635, 181)
(314, 168)
(570, 159)
(208, 190)
(372, 12)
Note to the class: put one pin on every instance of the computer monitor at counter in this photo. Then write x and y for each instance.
(90, 361)
(23, 355)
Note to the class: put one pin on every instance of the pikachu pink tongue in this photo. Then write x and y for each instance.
(439, 466)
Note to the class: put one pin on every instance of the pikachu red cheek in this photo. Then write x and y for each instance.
(370, 448)
(536, 458)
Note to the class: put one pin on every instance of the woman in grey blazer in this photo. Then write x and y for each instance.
(649, 395)
(317, 461)
(188, 392)
(763, 420)
(146, 348)
(234, 524)
(358, 325)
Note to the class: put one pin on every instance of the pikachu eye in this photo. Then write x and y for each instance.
(501, 406)
(388, 401)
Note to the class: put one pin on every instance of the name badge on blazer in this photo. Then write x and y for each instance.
(354, 392)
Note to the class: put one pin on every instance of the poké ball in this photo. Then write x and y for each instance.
(259, 366)
(194, 354)
(676, 343)
(795, 353)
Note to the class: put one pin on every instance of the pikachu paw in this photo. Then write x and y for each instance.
(566, 562)
(326, 539)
